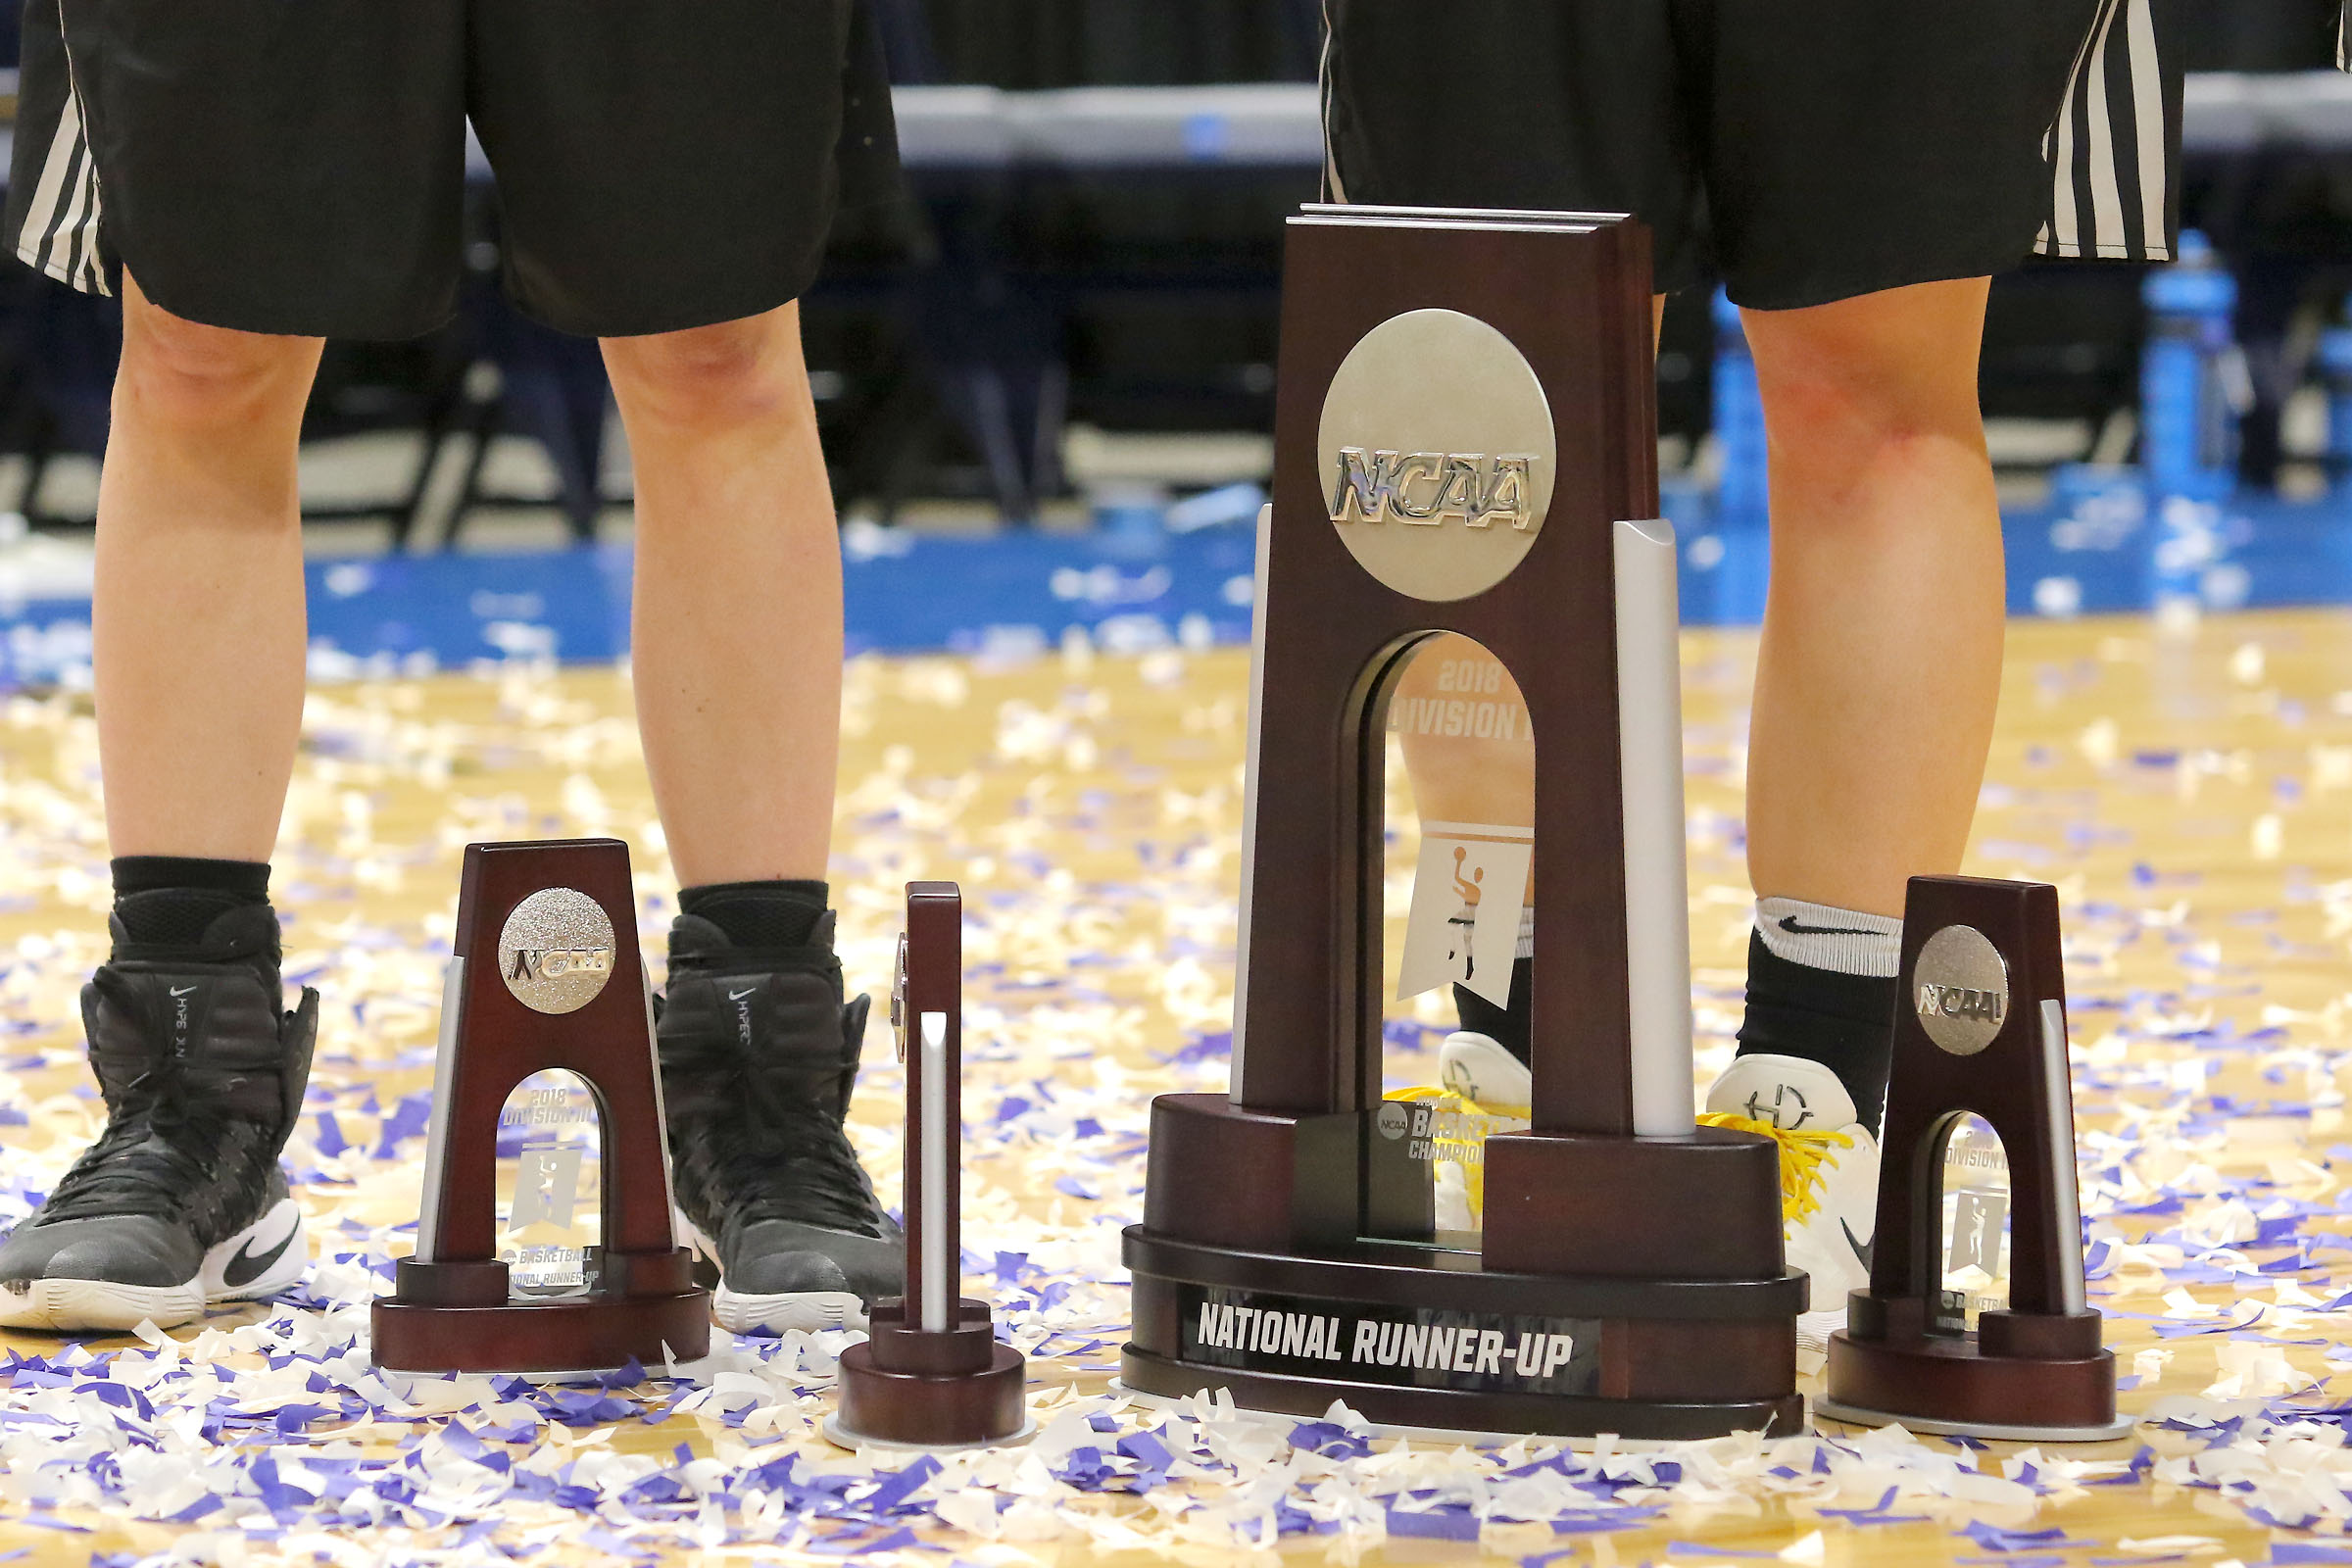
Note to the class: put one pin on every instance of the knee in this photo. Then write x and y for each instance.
(1856, 404)
(186, 374)
(1883, 371)
(709, 376)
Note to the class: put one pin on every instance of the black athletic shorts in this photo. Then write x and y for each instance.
(299, 165)
(1804, 150)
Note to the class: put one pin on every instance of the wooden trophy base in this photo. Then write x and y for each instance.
(1646, 1358)
(2020, 1377)
(1570, 1325)
(905, 1389)
(459, 1317)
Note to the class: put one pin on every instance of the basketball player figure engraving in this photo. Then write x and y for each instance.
(1462, 927)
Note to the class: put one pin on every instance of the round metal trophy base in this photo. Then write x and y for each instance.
(687, 1372)
(457, 1317)
(934, 1410)
(1413, 1336)
(1829, 1409)
(833, 1432)
(1467, 1417)
(1945, 1384)
(1618, 1444)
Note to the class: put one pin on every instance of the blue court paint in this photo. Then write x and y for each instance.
(2094, 549)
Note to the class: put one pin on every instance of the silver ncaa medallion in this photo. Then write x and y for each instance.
(556, 951)
(1960, 990)
(1437, 454)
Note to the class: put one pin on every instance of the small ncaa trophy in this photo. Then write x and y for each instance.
(931, 1374)
(545, 984)
(1980, 1028)
(1466, 442)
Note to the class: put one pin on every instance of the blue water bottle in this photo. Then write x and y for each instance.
(2188, 413)
(2335, 360)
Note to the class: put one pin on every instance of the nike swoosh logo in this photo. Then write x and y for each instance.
(738, 996)
(244, 1268)
(183, 991)
(1861, 1248)
(1790, 925)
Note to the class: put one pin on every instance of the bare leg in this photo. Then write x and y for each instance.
(198, 621)
(1460, 778)
(737, 629)
(199, 633)
(1882, 650)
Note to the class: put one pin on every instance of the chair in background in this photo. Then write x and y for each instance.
(974, 358)
(513, 376)
(57, 353)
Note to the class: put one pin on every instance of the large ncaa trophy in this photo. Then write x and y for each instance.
(1980, 1029)
(1466, 442)
(930, 1373)
(545, 979)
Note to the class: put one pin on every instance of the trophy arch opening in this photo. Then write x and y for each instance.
(1449, 789)
(1971, 1257)
(550, 1184)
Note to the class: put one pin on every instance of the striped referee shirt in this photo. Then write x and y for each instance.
(2114, 150)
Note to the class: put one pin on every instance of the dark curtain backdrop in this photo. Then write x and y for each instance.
(1062, 43)
(2262, 34)
(1068, 43)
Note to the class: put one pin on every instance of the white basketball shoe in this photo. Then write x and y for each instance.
(1479, 1068)
(1829, 1178)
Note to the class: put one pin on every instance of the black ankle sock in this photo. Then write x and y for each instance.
(1506, 1026)
(1843, 1021)
(760, 914)
(171, 899)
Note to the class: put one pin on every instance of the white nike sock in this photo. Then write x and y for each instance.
(1820, 937)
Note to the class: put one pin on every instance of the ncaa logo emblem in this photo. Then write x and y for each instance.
(1960, 990)
(1436, 455)
(556, 951)
(1481, 491)
(1392, 1119)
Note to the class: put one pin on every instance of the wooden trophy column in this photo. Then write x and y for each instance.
(931, 1374)
(546, 976)
(1980, 1027)
(1466, 442)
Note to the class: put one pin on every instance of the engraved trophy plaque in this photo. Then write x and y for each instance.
(1979, 1040)
(550, 1184)
(547, 1059)
(931, 1374)
(1466, 443)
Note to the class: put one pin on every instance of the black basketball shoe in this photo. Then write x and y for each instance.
(759, 1056)
(179, 1205)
